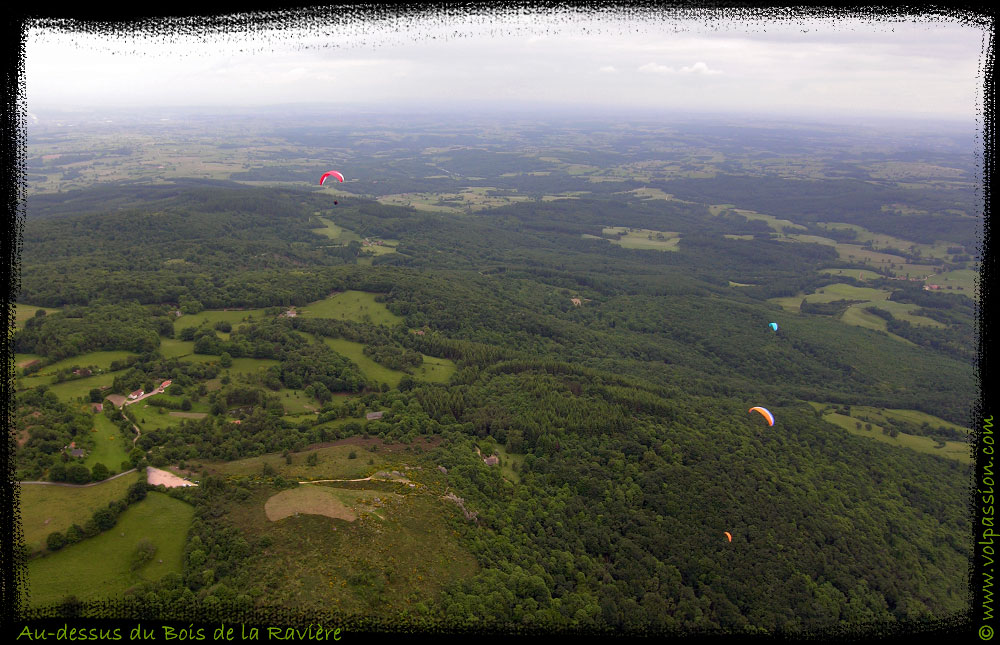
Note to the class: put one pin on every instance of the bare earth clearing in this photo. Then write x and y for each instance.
(156, 477)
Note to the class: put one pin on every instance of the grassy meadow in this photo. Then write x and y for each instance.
(358, 306)
(98, 567)
(46, 508)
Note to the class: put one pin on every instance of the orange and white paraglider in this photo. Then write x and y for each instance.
(728, 535)
(764, 412)
(332, 173)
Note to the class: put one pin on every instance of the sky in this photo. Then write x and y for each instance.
(909, 67)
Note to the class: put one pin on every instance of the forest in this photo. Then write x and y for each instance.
(614, 382)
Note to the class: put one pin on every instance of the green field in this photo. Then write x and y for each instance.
(296, 402)
(77, 388)
(109, 445)
(102, 360)
(333, 463)
(372, 370)
(435, 370)
(963, 281)
(98, 567)
(883, 240)
(855, 314)
(508, 462)
(24, 312)
(388, 246)
(644, 238)
(775, 223)
(359, 306)
(250, 365)
(173, 348)
(211, 316)
(150, 418)
(957, 450)
(336, 233)
(46, 509)
(20, 360)
(143, 408)
(811, 239)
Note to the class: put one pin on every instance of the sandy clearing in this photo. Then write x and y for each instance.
(116, 399)
(155, 476)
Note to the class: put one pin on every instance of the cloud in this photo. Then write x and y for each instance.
(699, 68)
(608, 69)
(654, 68)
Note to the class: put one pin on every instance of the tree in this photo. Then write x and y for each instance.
(135, 456)
(142, 553)
(78, 474)
(55, 541)
(226, 360)
(136, 493)
(99, 472)
(104, 518)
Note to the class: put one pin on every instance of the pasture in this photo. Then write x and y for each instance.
(776, 224)
(359, 306)
(336, 233)
(884, 240)
(98, 568)
(962, 281)
(373, 371)
(78, 388)
(957, 450)
(150, 418)
(23, 312)
(174, 348)
(249, 365)
(856, 314)
(46, 508)
(210, 317)
(333, 460)
(100, 360)
(435, 370)
(110, 447)
(296, 402)
(637, 238)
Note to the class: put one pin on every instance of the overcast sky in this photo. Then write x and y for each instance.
(820, 67)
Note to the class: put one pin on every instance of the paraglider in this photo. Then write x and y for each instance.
(773, 326)
(728, 535)
(332, 173)
(764, 413)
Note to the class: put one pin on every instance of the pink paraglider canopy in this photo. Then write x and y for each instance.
(332, 173)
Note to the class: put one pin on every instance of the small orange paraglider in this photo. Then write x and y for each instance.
(728, 535)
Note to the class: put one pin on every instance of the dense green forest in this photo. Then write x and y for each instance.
(616, 379)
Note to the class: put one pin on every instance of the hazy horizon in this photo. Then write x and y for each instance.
(924, 69)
